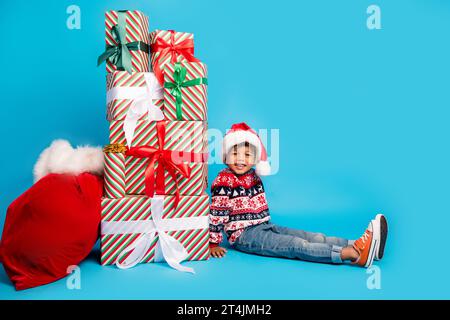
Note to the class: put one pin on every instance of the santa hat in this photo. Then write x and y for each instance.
(60, 157)
(241, 133)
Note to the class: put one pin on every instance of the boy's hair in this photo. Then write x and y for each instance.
(242, 144)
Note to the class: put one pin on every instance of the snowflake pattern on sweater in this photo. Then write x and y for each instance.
(237, 202)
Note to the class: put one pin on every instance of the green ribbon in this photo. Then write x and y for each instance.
(179, 77)
(119, 54)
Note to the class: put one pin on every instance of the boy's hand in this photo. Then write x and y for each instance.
(218, 252)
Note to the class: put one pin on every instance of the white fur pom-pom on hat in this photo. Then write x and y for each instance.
(61, 157)
(263, 168)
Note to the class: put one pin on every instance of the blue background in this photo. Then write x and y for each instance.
(363, 118)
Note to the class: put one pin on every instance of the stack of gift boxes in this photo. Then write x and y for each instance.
(155, 207)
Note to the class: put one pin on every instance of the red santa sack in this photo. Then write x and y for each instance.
(51, 226)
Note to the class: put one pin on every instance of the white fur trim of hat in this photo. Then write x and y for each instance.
(240, 133)
(61, 157)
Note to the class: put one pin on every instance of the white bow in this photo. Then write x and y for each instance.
(142, 103)
(171, 250)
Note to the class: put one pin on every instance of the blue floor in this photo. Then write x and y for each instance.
(243, 276)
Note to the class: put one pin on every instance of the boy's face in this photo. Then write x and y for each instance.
(241, 158)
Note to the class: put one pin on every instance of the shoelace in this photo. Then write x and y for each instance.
(365, 238)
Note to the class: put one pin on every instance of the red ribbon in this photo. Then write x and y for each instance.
(185, 48)
(166, 161)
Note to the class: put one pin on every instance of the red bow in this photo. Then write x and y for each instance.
(166, 161)
(185, 48)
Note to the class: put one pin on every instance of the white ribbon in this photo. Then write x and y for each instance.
(142, 103)
(171, 250)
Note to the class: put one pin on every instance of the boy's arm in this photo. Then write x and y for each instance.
(218, 216)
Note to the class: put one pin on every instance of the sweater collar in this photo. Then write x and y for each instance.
(251, 171)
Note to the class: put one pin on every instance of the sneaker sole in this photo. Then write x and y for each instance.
(377, 234)
(373, 249)
(382, 226)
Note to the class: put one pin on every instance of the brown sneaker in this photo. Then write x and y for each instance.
(366, 247)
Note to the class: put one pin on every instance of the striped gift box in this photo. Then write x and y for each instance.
(138, 208)
(125, 175)
(118, 108)
(190, 136)
(194, 98)
(136, 29)
(114, 175)
(166, 35)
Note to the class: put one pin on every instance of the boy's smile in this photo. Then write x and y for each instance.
(241, 158)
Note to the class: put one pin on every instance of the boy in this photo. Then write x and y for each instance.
(239, 208)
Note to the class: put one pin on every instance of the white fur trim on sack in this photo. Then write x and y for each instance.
(60, 157)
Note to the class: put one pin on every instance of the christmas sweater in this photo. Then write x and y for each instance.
(237, 202)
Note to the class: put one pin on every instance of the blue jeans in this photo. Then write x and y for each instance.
(268, 239)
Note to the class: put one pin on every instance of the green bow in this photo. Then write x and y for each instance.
(179, 75)
(119, 55)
